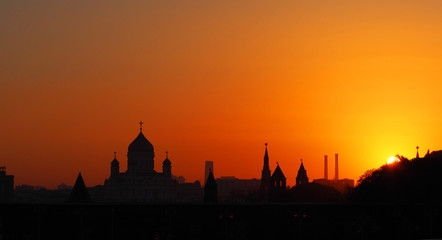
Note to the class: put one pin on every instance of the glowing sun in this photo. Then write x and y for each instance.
(392, 160)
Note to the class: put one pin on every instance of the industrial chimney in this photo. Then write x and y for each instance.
(336, 167)
(325, 167)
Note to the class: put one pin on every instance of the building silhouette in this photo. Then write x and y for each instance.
(301, 178)
(210, 189)
(140, 183)
(6, 186)
(233, 189)
(79, 192)
(278, 180)
(208, 168)
(265, 173)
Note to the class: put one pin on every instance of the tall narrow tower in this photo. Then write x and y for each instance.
(265, 174)
(115, 166)
(167, 166)
(336, 167)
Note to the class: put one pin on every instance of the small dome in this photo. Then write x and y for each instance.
(166, 162)
(115, 162)
(140, 144)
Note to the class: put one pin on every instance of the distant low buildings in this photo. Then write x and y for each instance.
(234, 189)
(6, 186)
(190, 192)
(342, 185)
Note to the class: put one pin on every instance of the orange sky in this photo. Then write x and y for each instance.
(215, 80)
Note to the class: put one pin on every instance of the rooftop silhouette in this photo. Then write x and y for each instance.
(79, 193)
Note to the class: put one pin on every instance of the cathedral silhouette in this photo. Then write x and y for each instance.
(140, 183)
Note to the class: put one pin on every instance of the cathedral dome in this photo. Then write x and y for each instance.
(140, 144)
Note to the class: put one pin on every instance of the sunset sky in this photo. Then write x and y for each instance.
(215, 80)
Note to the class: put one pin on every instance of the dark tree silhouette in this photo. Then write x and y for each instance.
(407, 181)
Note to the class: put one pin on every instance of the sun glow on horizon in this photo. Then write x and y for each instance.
(393, 160)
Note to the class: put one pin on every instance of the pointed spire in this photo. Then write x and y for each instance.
(266, 155)
(79, 192)
(302, 175)
(210, 189)
(265, 174)
(115, 155)
(167, 154)
(302, 168)
(417, 152)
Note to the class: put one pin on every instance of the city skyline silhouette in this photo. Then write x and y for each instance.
(220, 119)
(213, 82)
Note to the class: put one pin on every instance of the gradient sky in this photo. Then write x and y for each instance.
(215, 80)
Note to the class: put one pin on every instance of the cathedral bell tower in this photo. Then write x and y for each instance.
(115, 166)
(167, 166)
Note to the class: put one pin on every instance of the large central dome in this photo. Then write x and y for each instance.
(140, 144)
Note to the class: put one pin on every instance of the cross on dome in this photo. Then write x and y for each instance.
(141, 126)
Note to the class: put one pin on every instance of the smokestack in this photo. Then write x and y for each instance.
(336, 167)
(325, 167)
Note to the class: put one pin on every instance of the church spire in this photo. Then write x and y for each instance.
(265, 174)
(417, 152)
(301, 178)
(266, 157)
